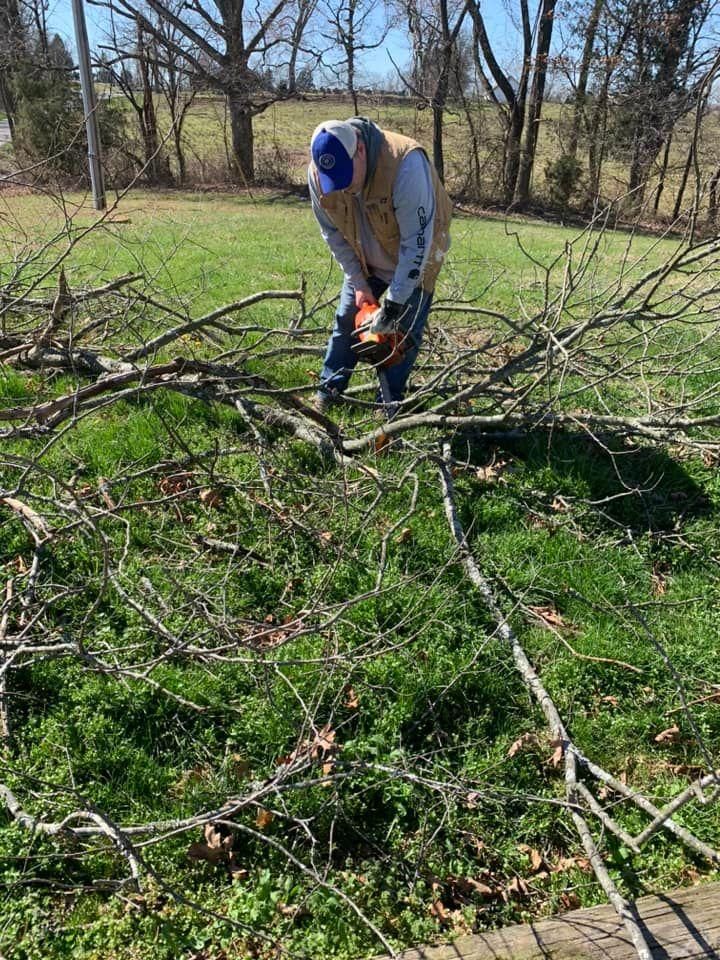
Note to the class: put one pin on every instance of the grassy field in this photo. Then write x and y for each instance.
(282, 133)
(412, 677)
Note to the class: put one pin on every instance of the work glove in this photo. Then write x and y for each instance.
(387, 319)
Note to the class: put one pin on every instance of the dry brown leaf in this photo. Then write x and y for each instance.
(211, 498)
(612, 700)
(202, 851)
(560, 505)
(482, 889)
(404, 536)
(523, 743)
(671, 735)
(438, 910)
(197, 774)
(218, 845)
(264, 818)
(322, 747)
(549, 617)
(351, 701)
(492, 472)
(571, 863)
(471, 800)
(175, 484)
(326, 536)
(557, 753)
(518, 889)
(464, 887)
(536, 860)
(569, 900)
(324, 741)
(240, 766)
(658, 583)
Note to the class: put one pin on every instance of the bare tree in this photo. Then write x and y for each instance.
(13, 51)
(353, 30)
(300, 20)
(225, 47)
(510, 95)
(543, 27)
(133, 68)
(645, 73)
(171, 75)
(654, 83)
(434, 26)
(588, 32)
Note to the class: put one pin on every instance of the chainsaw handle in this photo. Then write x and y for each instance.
(365, 316)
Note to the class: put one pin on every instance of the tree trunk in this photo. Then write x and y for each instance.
(242, 139)
(438, 153)
(350, 52)
(351, 77)
(474, 166)
(157, 168)
(596, 148)
(537, 94)
(713, 198)
(683, 181)
(583, 76)
(637, 179)
(512, 153)
(12, 51)
(8, 101)
(513, 110)
(663, 173)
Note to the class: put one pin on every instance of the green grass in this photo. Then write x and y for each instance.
(445, 700)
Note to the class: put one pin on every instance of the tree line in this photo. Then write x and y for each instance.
(628, 71)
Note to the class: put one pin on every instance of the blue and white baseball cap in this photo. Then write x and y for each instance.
(333, 145)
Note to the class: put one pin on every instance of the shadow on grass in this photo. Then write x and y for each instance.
(641, 489)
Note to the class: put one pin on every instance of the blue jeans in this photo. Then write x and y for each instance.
(340, 360)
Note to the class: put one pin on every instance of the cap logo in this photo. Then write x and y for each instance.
(327, 161)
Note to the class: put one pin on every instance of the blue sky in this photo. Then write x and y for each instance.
(376, 63)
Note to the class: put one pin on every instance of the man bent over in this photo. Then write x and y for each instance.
(385, 215)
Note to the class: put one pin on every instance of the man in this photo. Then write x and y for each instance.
(385, 215)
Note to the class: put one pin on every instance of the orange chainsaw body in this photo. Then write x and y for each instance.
(380, 349)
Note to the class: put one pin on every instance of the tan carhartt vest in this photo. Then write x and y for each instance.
(340, 207)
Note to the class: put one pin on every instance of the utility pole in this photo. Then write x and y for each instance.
(89, 105)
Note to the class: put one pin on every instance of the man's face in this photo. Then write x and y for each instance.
(359, 168)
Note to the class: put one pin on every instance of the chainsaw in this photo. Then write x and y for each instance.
(382, 350)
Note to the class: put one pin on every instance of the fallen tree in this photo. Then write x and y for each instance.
(625, 364)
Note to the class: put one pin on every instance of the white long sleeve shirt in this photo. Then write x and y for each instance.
(414, 205)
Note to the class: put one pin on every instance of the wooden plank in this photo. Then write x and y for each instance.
(681, 925)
